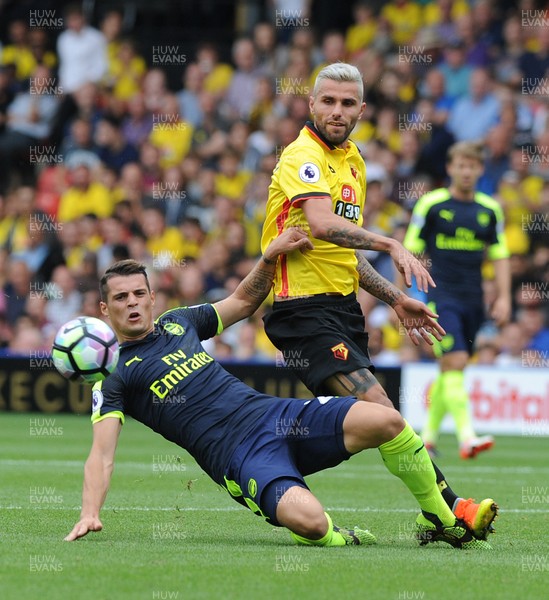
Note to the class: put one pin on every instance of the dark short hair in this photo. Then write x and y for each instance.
(122, 268)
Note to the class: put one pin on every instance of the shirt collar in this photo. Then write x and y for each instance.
(313, 131)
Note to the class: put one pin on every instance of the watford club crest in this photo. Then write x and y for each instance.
(341, 352)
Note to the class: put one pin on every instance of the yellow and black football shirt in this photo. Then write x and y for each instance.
(311, 168)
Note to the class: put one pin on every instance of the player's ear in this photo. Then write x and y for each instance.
(104, 309)
(311, 104)
(153, 297)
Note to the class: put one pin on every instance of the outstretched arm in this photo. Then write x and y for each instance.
(97, 476)
(327, 226)
(414, 315)
(255, 287)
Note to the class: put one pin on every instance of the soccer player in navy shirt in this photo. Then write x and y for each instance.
(259, 448)
(459, 228)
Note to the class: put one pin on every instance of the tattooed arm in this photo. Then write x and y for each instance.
(415, 317)
(327, 226)
(371, 281)
(255, 287)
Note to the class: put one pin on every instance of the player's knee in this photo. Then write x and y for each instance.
(393, 424)
(312, 526)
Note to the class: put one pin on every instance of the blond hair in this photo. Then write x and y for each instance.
(340, 72)
(473, 150)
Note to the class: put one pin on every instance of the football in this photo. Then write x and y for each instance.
(85, 348)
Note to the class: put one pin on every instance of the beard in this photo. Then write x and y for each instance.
(337, 137)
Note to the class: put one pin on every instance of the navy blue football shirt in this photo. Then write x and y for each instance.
(171, 384)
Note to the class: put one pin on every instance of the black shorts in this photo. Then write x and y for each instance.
(319, 337)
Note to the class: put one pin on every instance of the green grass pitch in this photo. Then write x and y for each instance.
(170, 532)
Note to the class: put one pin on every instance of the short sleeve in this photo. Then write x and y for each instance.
(301, 176)
(205, 320)
(108, 399)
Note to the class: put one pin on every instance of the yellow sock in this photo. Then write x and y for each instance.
(332, 538)
(405, 456)
(456, 402)
(435, 413)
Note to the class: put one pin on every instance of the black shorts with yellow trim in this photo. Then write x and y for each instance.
(294, 438)
(319, 336)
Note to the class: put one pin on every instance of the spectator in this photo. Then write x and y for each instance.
(333, 50)
(532, 320)
(456, 71)
(363, 31)
(477, 48)
(404, 19)
(43, 252)
(171, 134)
(16, 289)
(498, 144)
(189, 96)
(217, 76)
(472, 117)
(113, 235)
(137, 123)
(264, 39)
(18, 51)
(114, 150)
(80, 140)
(155, 90)
(507, 66)
(126, 70)
(65, 301)
(82, 52)
(29, 122)
(163, 243)
(170, 197)
(534, 66)
(241, 93)
(231, 181)
(84, 195)
(443, 15)
(511, 343)
(190, 285)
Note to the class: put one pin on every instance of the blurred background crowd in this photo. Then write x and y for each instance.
(116, 142)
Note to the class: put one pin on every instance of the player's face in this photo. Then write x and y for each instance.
(129, 307)
(336, 108)
(465, 172)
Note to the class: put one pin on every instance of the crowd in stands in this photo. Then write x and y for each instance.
(101, 160)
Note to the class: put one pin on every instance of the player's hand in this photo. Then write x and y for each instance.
(418, 320)
(293, 238)
(410, 267)
(84, 526)
(501, 311)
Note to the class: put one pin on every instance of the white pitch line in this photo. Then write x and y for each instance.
(477, 469)
(231, 509)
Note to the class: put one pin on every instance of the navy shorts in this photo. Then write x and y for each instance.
(461, 323)
(294, 438)
(319, 337)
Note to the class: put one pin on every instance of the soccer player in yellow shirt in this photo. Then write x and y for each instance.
(319, 184)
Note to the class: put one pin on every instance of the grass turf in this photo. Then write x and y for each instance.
(170, 532)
